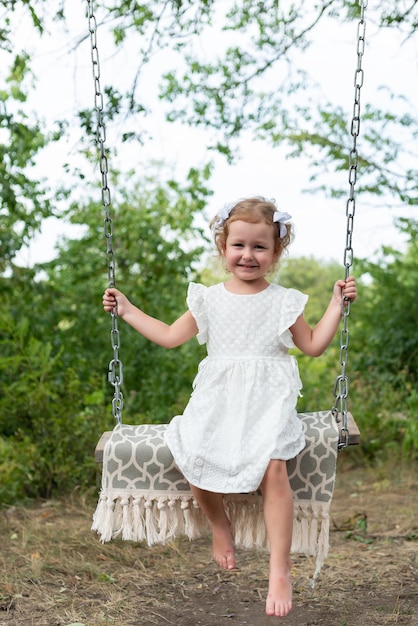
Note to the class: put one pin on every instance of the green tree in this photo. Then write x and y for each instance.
(157, 246)
(255, 82)
(384, 352)
(55, 337)
(24, 200)
(388, 318)
(49, 414)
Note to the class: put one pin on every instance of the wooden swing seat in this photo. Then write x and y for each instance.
(353, 440)
(144, 497)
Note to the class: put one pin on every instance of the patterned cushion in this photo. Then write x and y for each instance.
(145, 498)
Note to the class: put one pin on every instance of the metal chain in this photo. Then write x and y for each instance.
(340, 408)
(115, 373)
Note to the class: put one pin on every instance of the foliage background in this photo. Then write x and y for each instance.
(54, 341)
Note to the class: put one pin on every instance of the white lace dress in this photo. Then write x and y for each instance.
(242, 409)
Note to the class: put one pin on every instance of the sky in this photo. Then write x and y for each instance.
(65, 84)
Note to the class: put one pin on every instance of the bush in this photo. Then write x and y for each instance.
(387, 418)
(50, 421)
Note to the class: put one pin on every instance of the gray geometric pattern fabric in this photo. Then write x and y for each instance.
(312, 472)
(145, 498)
(138, 459)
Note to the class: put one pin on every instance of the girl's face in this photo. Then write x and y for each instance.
(249, 250)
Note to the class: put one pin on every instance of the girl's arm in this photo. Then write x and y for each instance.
(165, 335)
(314, 341)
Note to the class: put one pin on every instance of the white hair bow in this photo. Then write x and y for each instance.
(224, 214)
(281, 218)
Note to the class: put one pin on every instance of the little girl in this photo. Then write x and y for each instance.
(240, 425)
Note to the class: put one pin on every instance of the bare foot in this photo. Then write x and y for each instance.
(223, 547)
(279, 597)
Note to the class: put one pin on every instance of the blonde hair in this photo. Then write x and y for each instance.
(251, 210)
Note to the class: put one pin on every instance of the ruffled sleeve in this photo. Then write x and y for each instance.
(196, 301)
(293, 305)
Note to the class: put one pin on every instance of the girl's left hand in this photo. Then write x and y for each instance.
(345, 289)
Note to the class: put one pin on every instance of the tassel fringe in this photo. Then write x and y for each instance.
(156, 518)
(149, 518)
(132, 505)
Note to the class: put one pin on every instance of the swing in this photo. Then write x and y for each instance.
(143, 495)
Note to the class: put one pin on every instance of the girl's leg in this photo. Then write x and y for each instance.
(212, 506)
(278, 516)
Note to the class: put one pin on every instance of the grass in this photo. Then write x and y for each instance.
(55, 572)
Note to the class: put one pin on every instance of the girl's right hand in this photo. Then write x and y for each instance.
(113, 297)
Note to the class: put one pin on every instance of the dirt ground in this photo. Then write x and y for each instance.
(55, 572)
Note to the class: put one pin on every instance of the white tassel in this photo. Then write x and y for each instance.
(178, 518)
(230, 508)
(237, 518)
(322, 545)
(297, 531)
(127, 533)
(304, 530)
(138, 522)
(117, 518)
(200, 520)
(260, 537)
(99, 514)
(107, 522)
(191, 529)
(162, 509)
(247, 520)
(248, 525)
(314, 521)
(175, 515)
(151, 530)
